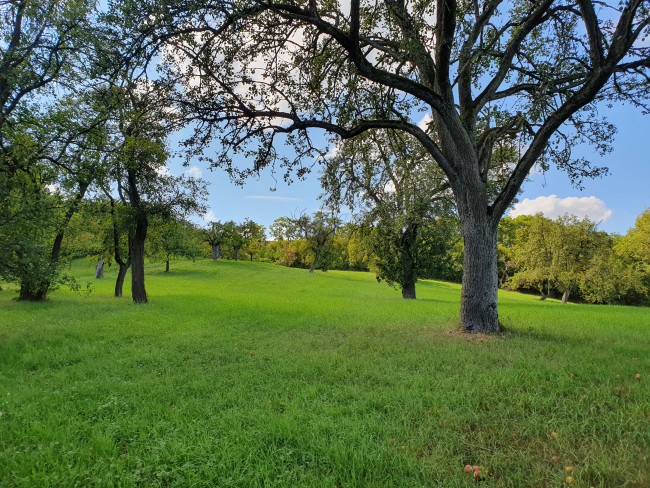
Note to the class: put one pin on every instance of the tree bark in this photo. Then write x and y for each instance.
(408, 291)
(478, 303)
(236, 254)
(99, 269)
(29, 295)
(216, 251)
(138, 291)
(167, 266)
(565, 296)
(314, 264)
(121, 274)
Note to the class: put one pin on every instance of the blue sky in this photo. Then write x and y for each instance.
(615, 200)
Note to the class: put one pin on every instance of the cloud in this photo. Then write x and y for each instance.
(162, 170)
(424, 123)
(194, 172)
(552, 207)
(210, 216)
(272, 198)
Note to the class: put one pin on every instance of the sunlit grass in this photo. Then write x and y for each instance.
(249, 374)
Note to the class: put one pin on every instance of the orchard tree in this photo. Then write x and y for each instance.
(173, 238)
(215, 236)
(527, 74)
(318, 231)
(394, 186)
(254, 237)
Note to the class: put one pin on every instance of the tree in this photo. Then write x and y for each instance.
(318, 231)
(42, 40)
(215, 235)
(51, 158)
(254, 237)
(396, 188)
(524, 74)
(557, 254)
(173, 238)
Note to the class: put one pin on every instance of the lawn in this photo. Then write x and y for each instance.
(253, 375)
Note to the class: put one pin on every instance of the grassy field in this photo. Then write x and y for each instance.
(253, 375)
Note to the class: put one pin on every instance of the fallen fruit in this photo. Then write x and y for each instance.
(556, 460)
(568, 469)
(477, 473)
(638, 377)
(554, 435)
(468, 468)
(569, 479)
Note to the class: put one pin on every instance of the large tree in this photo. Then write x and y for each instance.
(486, 73)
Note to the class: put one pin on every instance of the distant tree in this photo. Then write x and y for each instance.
(557, 254)
(318, 231)
(254, 237)
(234, 237)
(533, 255)
(172, 238)
(396, 187)
(215, 235)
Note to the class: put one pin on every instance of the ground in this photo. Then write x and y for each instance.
(248, 374)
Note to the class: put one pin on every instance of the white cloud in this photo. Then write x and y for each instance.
(552, 207)
(194, 172)
(424, 123)
(210, 216)
(272, 198)
(163, 170)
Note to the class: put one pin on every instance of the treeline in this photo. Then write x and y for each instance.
(565, 258)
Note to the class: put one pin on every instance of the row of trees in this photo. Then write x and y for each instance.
(563, 258)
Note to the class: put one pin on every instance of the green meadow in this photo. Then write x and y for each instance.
(241, 374)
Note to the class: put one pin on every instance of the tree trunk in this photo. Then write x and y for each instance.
(138, 291)
(167, 266)
(565, 296)
(478, 303)
(30, 295)
(99, 269)
(408, 291)
(236, 254)
(119, 282)
(216, 251)
(314, 264)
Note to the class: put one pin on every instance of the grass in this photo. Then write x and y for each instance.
(252, 375)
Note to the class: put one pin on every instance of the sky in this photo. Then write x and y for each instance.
(614, 200)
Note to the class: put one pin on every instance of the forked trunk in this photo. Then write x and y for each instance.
(408, 291)
(478, 304)
(119, 282)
